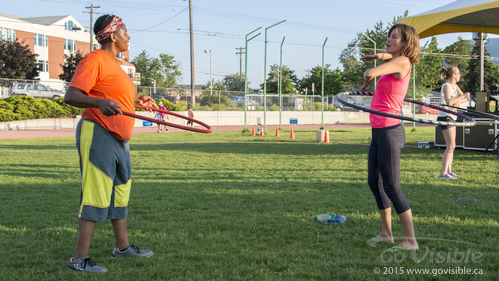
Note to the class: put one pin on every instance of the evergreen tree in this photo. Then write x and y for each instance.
(428, 69)
(472, 77)
(289, 80)
(461, 50)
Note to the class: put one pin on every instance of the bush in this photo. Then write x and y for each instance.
(214, 99)
(26, 107)
(169, 105)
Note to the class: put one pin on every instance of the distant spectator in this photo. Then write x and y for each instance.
(161, 116)
(190, 113)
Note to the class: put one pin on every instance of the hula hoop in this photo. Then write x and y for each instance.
(474, 112)
(476, 197)
(207, 130)
(468, 120)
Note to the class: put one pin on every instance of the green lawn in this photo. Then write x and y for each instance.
(227, 206)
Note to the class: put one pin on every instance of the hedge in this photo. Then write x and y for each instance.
(26, 107)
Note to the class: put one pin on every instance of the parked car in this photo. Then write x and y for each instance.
(157, 96)
(34, 90)
(237, 99)
(426, 110)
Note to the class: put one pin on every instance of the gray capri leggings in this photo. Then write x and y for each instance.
(384, 168)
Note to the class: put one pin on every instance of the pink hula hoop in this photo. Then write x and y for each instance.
(207, 129)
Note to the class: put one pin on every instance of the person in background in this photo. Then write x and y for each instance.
(388, 135)
(102, 87)
(161, 116)
(451, 95)
(190, 113)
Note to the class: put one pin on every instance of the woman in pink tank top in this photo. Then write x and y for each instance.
(388, 135)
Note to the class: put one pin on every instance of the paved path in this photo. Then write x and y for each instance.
(29, 134)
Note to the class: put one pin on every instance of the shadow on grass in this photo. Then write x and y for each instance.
(253, 148)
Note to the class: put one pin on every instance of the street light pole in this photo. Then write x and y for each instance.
(322, 86)
(374, 42)
(280, 83)
(193, 82)
(211, 81)
(246, 70)
(265, 78)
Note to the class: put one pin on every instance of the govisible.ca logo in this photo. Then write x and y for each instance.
(457, 255)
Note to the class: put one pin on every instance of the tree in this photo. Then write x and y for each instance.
(168, 70)
(234, 82)
(472, 77)
(163, 70)
(69, 66)
(217, 86)
(353, 67)
(428, 69)
(17, 61)
(460, 50)
(289, 80)
(333, 80)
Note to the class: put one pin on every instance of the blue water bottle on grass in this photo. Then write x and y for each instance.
(330, 219)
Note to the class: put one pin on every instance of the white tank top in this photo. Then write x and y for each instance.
(453, 94)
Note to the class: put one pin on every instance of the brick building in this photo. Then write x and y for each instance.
(51, 38)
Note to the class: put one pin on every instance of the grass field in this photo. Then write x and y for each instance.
(227, 206)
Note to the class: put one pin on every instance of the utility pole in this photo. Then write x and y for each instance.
(91, 31)
(240, 53)
(193, 83)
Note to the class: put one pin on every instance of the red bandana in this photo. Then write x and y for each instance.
(114, 25)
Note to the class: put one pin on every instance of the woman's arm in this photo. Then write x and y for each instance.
(78, 98)
(456, 100)
(378, 56)
(398, 66)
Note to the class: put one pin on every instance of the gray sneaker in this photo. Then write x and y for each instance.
(85, 264)
(132, 251)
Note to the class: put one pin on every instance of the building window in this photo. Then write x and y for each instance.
(41, 40)
(43, 65)
(70, 26)
(7, 34)
(69, 45)
(95, 47)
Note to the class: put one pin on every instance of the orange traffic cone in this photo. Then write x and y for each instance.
(261, 133)
(253, 132)
(292, 136)
(326, 136)
(277, 132)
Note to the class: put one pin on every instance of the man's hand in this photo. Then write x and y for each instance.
(109, 107)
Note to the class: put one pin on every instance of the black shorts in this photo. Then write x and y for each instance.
(445, 119)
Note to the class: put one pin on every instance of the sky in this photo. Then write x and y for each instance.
(162, 26)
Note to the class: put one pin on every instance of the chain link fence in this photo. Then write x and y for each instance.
(205, 100)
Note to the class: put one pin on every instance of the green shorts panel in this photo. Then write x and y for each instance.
(105, 173)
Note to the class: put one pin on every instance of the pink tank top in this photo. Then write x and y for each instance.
(388, 97)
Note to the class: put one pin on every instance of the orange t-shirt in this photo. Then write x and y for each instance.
(100, 75)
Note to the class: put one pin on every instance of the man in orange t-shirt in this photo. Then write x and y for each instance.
(102, 87)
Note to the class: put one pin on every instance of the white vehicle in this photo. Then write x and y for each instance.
(34, 90)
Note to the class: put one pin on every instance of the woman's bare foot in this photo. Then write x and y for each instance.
(381, 238)
(409, 244)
